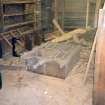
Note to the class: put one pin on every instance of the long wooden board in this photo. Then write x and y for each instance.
(58, 27)
(69, 35)
(99, 90)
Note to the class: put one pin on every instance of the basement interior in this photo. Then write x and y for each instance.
(52, 52)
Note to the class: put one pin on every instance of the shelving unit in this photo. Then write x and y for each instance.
(35, 16)
(16, 13)
(17, 18)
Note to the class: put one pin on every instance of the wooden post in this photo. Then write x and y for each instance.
(87, 13)
(34, 13)
(100, 25)
(55, 11)
(99, 88)
(1, 17)
(63, 14)
(98, 3)
(58, 27)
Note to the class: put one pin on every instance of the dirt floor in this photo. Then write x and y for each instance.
(26, 88)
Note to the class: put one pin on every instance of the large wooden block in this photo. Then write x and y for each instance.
(53, 59)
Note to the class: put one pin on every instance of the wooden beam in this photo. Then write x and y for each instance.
(58, 26)
(1, 17)
(98, 3)
(63, 14)
(87, 13)
(91, 56)
(65, 36)
(56, 11)
(72, 34)
(99, 86)
(6, 40)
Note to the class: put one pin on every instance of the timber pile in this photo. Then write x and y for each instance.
(75, 34)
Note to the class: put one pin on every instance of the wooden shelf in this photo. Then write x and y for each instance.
(16, 14)
(17, 24)
(18, 2)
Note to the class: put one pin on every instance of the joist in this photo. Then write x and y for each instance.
(87, 13)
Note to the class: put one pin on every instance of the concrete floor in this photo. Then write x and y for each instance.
(26, 88)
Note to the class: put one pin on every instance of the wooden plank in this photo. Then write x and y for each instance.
(69, 35)
(63, 14)
(27, 32)
(97, 37)
(1, 17)
(18, 24)
(7, 41)
(99, 87)
(98, 3)
(100, 73)
(55, 10)
(16, 14)
(65, 36)
(91, 56)
(17, 2)
(58, 26)
(87, 13)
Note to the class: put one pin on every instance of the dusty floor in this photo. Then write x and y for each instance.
(26, 88)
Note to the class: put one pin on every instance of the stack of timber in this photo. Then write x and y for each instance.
(75, 34)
